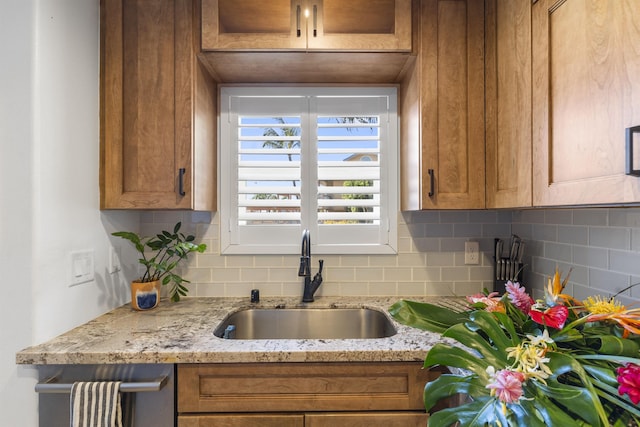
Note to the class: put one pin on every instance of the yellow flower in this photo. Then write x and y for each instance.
(599, 305)
(530, 357)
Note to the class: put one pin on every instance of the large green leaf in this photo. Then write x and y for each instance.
(448, 385)
(588, 407)
(447, 355)
(477, 413)
(425, 316)
(476, 341)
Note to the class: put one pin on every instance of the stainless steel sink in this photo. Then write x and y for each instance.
(306, 323)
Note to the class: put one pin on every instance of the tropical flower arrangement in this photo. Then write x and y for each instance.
(519, 362)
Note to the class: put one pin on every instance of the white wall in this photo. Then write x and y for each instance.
(49, 195)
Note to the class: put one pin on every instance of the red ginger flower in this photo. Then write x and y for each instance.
(629, 381)
(519, 297)
(553, 317)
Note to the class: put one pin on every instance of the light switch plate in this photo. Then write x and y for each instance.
(114, 260)
(82, 267)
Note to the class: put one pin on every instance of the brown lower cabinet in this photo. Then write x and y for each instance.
(374, 394)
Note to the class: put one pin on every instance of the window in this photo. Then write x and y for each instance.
(324, 159)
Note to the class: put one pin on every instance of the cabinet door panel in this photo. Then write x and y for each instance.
(508, 103)
(586, 64)
(253, 24)
(453, 104)
(366, 25)
(383, 419)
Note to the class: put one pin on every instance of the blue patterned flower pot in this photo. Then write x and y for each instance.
(145, 295)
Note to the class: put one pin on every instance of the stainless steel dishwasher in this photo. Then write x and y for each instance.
(148, 392)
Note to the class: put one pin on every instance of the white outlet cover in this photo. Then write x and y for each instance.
(471, 253)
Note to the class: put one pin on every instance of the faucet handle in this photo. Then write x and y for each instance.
(321, 262)
(305, 269)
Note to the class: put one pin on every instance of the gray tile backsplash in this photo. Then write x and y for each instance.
(602, 245)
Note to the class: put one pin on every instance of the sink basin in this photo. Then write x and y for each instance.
(306, 323)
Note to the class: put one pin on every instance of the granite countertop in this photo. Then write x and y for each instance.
(183, 333)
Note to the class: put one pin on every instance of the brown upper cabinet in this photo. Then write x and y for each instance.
(586, 92)
(508, 103)
(354, 25)
(157, 108)
(442, 110)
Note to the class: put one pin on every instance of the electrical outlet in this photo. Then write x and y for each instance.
(471, 253)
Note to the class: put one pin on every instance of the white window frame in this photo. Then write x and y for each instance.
(326, 239)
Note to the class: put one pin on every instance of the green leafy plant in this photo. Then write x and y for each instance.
(556, 362)
(161, 254)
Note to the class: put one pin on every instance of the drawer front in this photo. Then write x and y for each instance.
(299, 387)
(240, 420)
(384, 419)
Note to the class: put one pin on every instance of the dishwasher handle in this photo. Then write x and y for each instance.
(50, 386)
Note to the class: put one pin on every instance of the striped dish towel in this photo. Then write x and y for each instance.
(96, 404)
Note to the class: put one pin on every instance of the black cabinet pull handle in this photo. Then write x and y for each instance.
(315, 20)
(432, 189)
(629, 170)
(181, 173)
(298, 21)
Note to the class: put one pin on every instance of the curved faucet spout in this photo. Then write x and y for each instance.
(310, 286)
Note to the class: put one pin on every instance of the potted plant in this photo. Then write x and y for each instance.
(160, 255)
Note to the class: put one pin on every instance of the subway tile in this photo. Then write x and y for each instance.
(422, 217)
(440, 288)
(467, 288)
(396, 274)
(439, 230)
(467, 230)
(406, 289)
(481, 273)
(525, 231)
(225, 275)
(427, 244)
(445, 259)
(625, 262)
(368, 274)
(454, 217)
(455, 274)
(383, 288)
(590, 217)
(497, 230)
(359, 260)
(428, 274)
(608, 237)
(545, 232)
(484, 216)
(607, 280)
(635, 239)
(624, 217)
(533, 216)
(505, 216)
(577, 235)
(340, 274)
(452, 244)
(591, 257)
(558, 216)
(557, 251)
(254, 275)
(412, 260)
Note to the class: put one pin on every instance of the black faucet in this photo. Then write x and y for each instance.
(310, 286)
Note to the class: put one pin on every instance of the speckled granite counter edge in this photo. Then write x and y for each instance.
(183, 333)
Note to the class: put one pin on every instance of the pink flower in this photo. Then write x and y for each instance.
(553, 317)
(491, 302)
(519, 297)
(629, 381)
(506, 385)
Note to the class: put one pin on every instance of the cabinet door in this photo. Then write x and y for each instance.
(253, 24)
(241, 420)
(157, 109)
(452, 79)
(508, 103)
(371, 419)
(366, 25)
(586, 91)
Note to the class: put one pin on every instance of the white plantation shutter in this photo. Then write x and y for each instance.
(318, 158)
